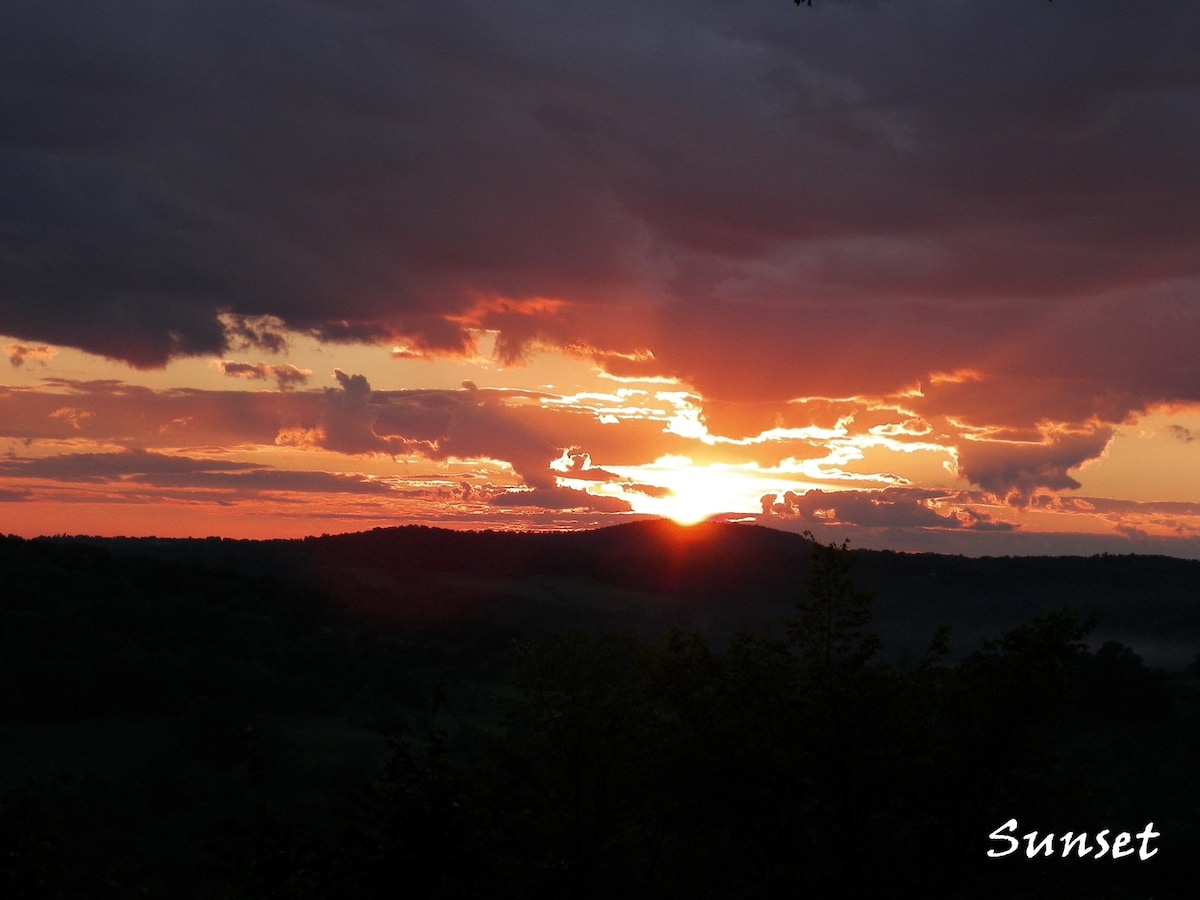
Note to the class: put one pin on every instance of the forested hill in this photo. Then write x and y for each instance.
(642, 711)
(714, 577)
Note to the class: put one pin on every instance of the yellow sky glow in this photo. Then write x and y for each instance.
(672, 465)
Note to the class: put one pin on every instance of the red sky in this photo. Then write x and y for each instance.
(921, 274)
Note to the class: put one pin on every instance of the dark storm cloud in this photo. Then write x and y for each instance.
(436, 424)
(1017, 472)
(338, 164)
(115, 412)
(891, 508)
(219, 480)
(350, 171)
(257, 480)
(100, 467)
(285, 375)
(560, 498)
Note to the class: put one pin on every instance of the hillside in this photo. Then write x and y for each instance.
(656, 574)
(640, 711)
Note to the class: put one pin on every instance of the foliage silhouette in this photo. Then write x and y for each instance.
(225, 730)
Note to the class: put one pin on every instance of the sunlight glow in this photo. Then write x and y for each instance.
(689, 493)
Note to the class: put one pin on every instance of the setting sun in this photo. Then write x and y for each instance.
(688, 493)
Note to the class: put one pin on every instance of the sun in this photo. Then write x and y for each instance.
(676, 488)
(688, 494)
(683, 509)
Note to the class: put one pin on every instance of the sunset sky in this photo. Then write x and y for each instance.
(920, 273)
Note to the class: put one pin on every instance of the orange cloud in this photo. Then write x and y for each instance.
(18, 354)
(890, 508)
(1016, 472)
(285, 375)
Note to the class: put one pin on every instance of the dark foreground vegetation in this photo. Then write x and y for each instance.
(636, 713)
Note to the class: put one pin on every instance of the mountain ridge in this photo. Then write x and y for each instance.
(713, 576)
